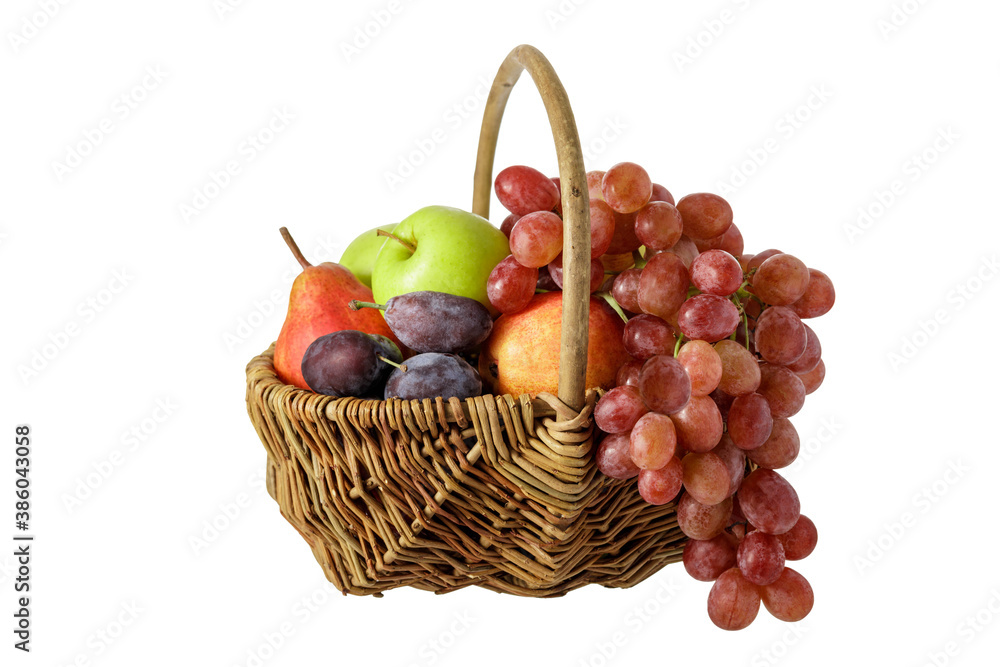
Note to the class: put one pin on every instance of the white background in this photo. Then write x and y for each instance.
(201, 294)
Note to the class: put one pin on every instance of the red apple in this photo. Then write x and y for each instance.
(521, 356)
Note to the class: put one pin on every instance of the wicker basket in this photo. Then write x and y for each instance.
(496, 491)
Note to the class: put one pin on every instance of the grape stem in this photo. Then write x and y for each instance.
(354, 304)
(401, 367)
(409, 246)
(303, 262)
(614, 304)
(677, 347)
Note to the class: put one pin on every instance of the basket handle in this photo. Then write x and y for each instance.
(575, 204)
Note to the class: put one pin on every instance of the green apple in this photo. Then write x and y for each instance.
(443, 249)
(359, 258)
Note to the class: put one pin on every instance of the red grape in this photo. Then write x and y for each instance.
(731, 241)
(813, 352)
(733, 602)
(686, 249)
(716, 272)
(659, 487)
(702, 364)
(699, 424)
(706, 477)
(625, 290)
(818, 298)
(705, 215)
(702, 522)
(790, 598)
(647, 336)
(508, 224)
(524, 190)
(613, 459)
(653, 441)
(761, 558)
(663, 285)
(619, 410)
(602, 227)
(780, 337)
(706, 560)
(537, 238)
(624, 239)
(626, 187)
(511, 286)
(758, 259)
(800, 541)
(780, 280)
(749, 421)
(740, 372)
(783, 390)
(814, 378)
(628, 374)
(658, 225)
(545, 282)
(555, 269)
(724, 401)
(735, 460)
(780, 449)
(660, 193)
(663, 385)
(708, 317)
(769, 502)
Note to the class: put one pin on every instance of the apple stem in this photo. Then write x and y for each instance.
(401, 367)
(295, 248)
(409, 246)
(354, 304)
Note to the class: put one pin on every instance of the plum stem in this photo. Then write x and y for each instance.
(354, 304)
(409, 246)
(401, 367)
(294, 247)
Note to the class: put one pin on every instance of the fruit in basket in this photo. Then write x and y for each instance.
(536, 239)
(317, 305)
(511, 286)
(523, 190)
(626, 187)
(359, 256)
(790, 598)
(733, 602)
(349, 363)
(432, 374)
(428, 321)
(705, 215)
(441, 249)
(522, 353)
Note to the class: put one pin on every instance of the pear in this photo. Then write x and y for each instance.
(317, 305)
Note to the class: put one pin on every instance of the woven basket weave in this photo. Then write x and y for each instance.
(500, 492)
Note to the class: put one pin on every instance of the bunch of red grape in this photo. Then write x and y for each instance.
(720, 360)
